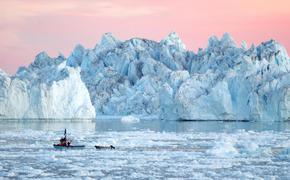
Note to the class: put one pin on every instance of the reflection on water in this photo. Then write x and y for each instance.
(191, 126)
(152, 125)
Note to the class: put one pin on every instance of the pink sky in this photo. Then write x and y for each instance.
(31, 26)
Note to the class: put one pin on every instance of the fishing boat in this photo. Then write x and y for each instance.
(65, 143)
(57, 146)
(105, 147)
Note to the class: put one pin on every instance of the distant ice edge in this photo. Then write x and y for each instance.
(148, 78)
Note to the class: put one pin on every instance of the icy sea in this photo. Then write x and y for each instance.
(149, 149)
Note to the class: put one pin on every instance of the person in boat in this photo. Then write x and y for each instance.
(64, 141)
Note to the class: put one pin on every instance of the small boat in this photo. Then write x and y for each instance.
(105, 147)
(57, 146)
(65, 143)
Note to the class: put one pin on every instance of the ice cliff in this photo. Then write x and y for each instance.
(46, 89)
(144, 77)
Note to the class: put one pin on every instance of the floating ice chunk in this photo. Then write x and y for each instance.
(249, 147)
(253, 149)
(130, 119)
(224, 148)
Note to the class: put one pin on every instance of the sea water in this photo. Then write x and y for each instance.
(146, 149)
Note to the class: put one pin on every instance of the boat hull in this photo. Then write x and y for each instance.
(105, 147)
(69, 147)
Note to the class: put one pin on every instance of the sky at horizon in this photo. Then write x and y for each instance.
(57, 26)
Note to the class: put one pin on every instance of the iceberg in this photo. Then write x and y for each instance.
(148, 78)
(46, 89)
(130, 119)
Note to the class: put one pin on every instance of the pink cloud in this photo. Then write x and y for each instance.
(27, 27)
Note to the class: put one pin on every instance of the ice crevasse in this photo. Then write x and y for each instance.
(143, 77)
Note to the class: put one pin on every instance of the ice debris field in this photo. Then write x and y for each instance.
(26, 151)
(223, 81)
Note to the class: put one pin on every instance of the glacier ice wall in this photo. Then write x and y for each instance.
(46, 89)
(145, 77)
